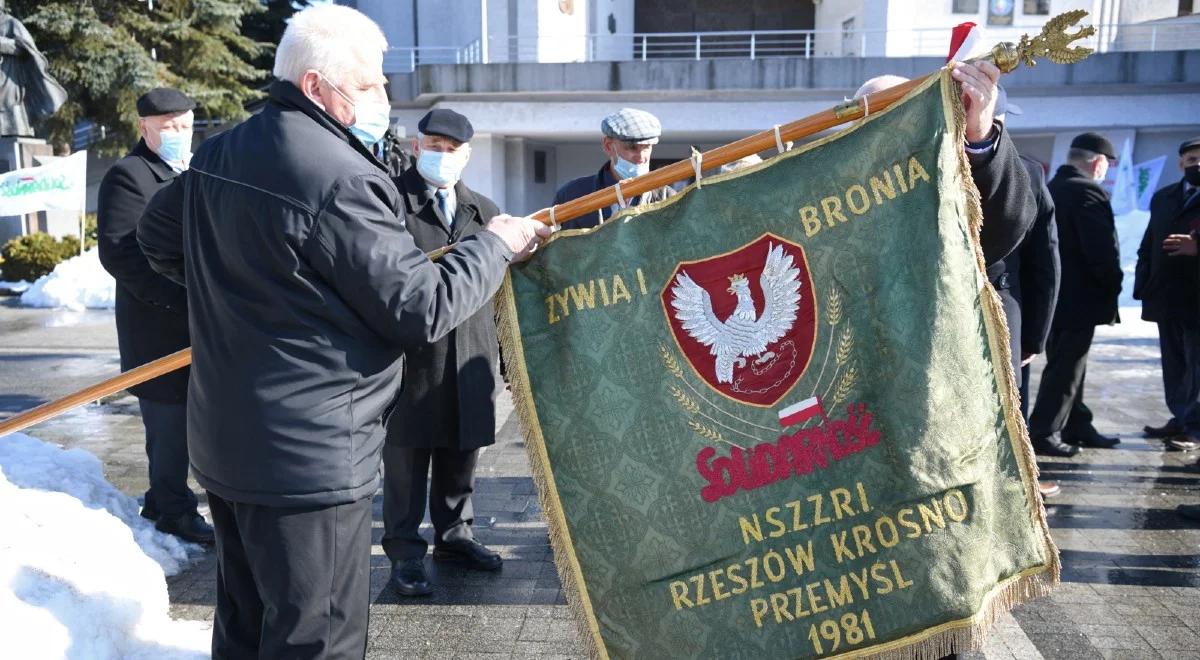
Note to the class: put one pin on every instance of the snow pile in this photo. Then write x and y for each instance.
(1130, 227)
(78, 283)
(13, 287)
(81, 573)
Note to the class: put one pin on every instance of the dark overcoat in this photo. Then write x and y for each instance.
(1168, 286)
(151, 313)
(448, 389)
(1088, 249)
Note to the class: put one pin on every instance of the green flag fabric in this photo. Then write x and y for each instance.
(774, 416)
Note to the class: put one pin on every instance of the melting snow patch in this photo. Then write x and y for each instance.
(78, 283)
(81, 573)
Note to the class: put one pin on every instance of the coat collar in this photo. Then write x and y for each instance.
(417, 198)
(160, 169)
(288, 96)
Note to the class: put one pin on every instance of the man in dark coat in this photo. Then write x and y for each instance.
(629, 136)
(1167, 281)
(151, 309)
(304, 289)
(1091, 283)
(446, 410)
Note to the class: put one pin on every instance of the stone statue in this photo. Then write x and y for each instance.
(27, 92)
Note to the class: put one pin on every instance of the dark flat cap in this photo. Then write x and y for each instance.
(1096, 143)
(1188, 145)
(448, 123)
(164, 101)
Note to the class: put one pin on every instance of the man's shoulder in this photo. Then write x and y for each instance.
(485, 203)
(130, 166)
(577, 187)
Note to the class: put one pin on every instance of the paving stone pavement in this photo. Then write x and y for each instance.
(1131, 567)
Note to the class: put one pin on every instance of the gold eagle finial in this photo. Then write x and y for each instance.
(1053, 43)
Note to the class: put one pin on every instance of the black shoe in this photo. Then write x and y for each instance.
(187, 526)
(150, 513)
(1165, 431)
(1052, 446)
(1182, 442)
(471, 554)
(1093, 439)
(409, 579)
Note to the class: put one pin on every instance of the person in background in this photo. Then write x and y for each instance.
(1091, 281)
(446, 411)
(152, 313)
(629, 139)
(1167, 281)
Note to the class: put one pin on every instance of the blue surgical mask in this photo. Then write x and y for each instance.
(627, 170)
(176, 148)
(441, 168)
(371, 118)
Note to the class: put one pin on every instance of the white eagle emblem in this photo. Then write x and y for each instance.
(744, 334)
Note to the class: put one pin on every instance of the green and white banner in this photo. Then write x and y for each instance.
(774, 416)
(59, 185)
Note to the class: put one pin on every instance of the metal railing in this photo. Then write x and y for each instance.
(923, 42)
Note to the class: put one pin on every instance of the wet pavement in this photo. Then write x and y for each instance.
(1131, 566)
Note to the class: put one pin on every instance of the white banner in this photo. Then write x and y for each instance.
(1145, 177)
(60, 185)
(1124, 191)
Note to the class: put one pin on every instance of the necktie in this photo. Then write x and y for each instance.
(443, 206)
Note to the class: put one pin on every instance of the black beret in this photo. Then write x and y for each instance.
(1094, 142)
(1188, 145)
(163, 101)
(447, 123)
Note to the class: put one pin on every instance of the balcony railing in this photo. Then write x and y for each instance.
(924, 42)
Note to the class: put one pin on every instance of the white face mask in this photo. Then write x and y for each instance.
(442, 168)
(371, 118)
(626, 170)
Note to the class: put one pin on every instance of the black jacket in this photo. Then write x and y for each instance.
(586, 185)
(1169, 287)
(1005, 195)
(1030, 275)
(151, 309)
(449, 387)
(303, 289)
(1088, 249)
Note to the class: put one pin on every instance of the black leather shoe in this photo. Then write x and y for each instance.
(1093, 439)
(1165, 431)
(149, 512)
(409, 579)
(1052, 446)
(471, 554)
(187, 526)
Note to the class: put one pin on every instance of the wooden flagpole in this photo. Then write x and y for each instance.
(1052, 43)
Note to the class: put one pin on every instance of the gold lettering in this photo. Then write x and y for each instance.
(604, 293)
(561, 299)
(550, 313)
(903, 516)
(900, 581)
(797, 526)
(641, 281)
(679, 595)
(801, 558)
(956, 513)
(584, 296)
(900, 177)
(883, 185)
(877, 575)
(841, 549)
(862, 495)
(810, 220)
(818, 519)
(832, 206)
(814, 600)
(701, 599)
(915, 171)
(840, 596)
(749, 530)
(619, 291)
(860, 581)
(780, 528)
(934, 514)
(758, 608)
(734, 574)
(890, 539)
(862, 539)
(864, 203)
(714, 577)
(841, 502)
(779, 604)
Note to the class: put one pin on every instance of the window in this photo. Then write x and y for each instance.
(539, 166)
(1038, 7)
(965, 7)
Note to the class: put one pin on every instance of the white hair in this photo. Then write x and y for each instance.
(331, 39)
(879, 83)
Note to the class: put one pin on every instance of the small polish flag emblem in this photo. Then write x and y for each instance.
(800, 412)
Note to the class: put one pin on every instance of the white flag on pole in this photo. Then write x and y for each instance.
(1145, 177)
(1124, 192)
(59, 185)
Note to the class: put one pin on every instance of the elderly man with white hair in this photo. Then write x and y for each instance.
(304, 289)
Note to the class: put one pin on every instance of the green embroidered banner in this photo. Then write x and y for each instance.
(773, 417)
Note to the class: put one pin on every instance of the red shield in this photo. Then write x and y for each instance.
(747, 320)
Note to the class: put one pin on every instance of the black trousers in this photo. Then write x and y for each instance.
(449, 490)
(1179, 342)
(292, 582)
(1059, 406)
(167, 453)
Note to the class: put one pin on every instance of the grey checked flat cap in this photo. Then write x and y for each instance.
(632, 125)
